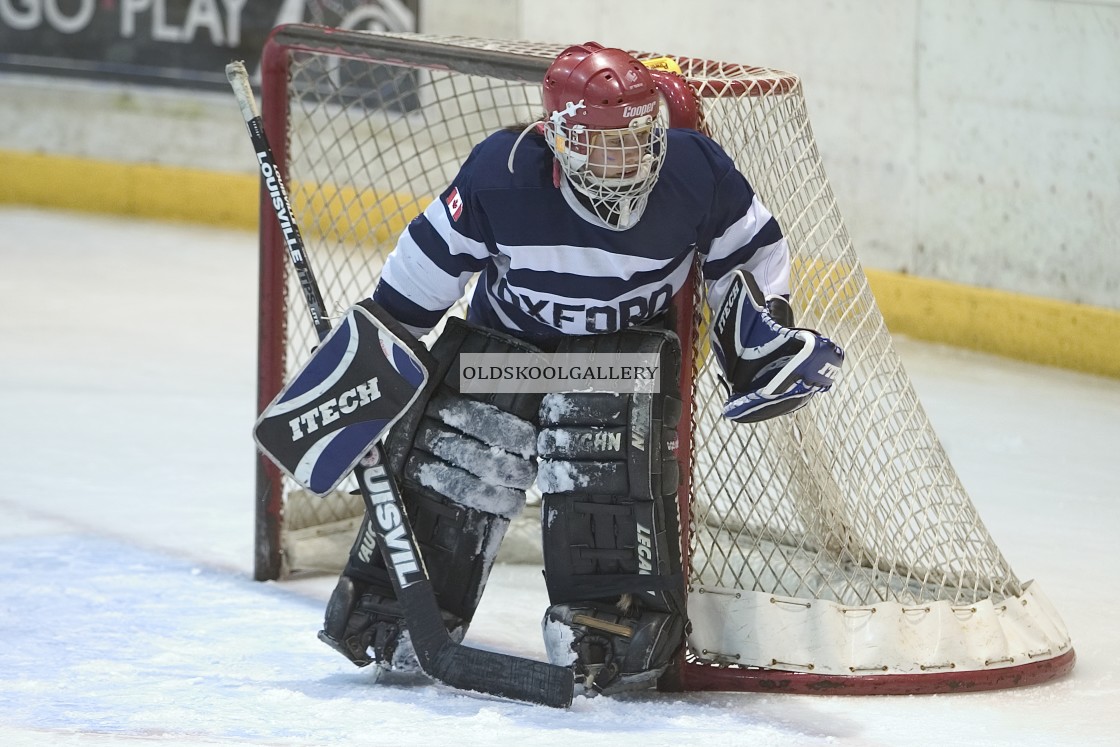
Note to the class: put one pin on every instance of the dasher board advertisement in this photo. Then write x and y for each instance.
(168, 42)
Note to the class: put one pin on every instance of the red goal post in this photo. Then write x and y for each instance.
(834, 550)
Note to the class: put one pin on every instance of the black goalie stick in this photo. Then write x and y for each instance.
(440, 657)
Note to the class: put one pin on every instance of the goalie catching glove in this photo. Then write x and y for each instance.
(770, 366)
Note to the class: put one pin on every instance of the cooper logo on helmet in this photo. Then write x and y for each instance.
(639, 111)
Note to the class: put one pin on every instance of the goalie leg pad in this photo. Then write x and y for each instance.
(608, 473)
(463, 465)
(611, 537)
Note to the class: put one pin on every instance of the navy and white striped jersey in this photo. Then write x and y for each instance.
(551, 268)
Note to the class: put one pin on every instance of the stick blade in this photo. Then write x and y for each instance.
(466, 668)
(505, 676)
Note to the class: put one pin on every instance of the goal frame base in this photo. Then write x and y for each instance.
(693, 676)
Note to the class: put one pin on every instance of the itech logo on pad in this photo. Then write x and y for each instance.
(329, 411)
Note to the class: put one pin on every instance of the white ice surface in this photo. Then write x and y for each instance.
(127, 613)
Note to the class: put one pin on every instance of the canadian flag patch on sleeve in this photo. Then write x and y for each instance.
(454, 203)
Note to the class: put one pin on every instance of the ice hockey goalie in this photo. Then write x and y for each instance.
(580, 228)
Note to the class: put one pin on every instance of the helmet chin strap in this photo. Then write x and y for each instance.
(539, 126)
(624, 211)
(557, 172)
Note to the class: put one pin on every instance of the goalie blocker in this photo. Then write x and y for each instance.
(611, 536)
(363, 377)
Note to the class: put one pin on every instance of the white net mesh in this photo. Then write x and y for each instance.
(853, 498)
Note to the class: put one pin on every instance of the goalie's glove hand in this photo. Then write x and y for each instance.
(770, 368)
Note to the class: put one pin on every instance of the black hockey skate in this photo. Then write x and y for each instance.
(369, 628)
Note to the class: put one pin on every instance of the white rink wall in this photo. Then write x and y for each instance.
(972, 141)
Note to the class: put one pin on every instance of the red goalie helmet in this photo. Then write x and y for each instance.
(613, 86)
(602, 125)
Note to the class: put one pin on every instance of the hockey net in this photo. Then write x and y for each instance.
(834, 550)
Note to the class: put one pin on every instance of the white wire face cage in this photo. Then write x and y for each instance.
(615, 169)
